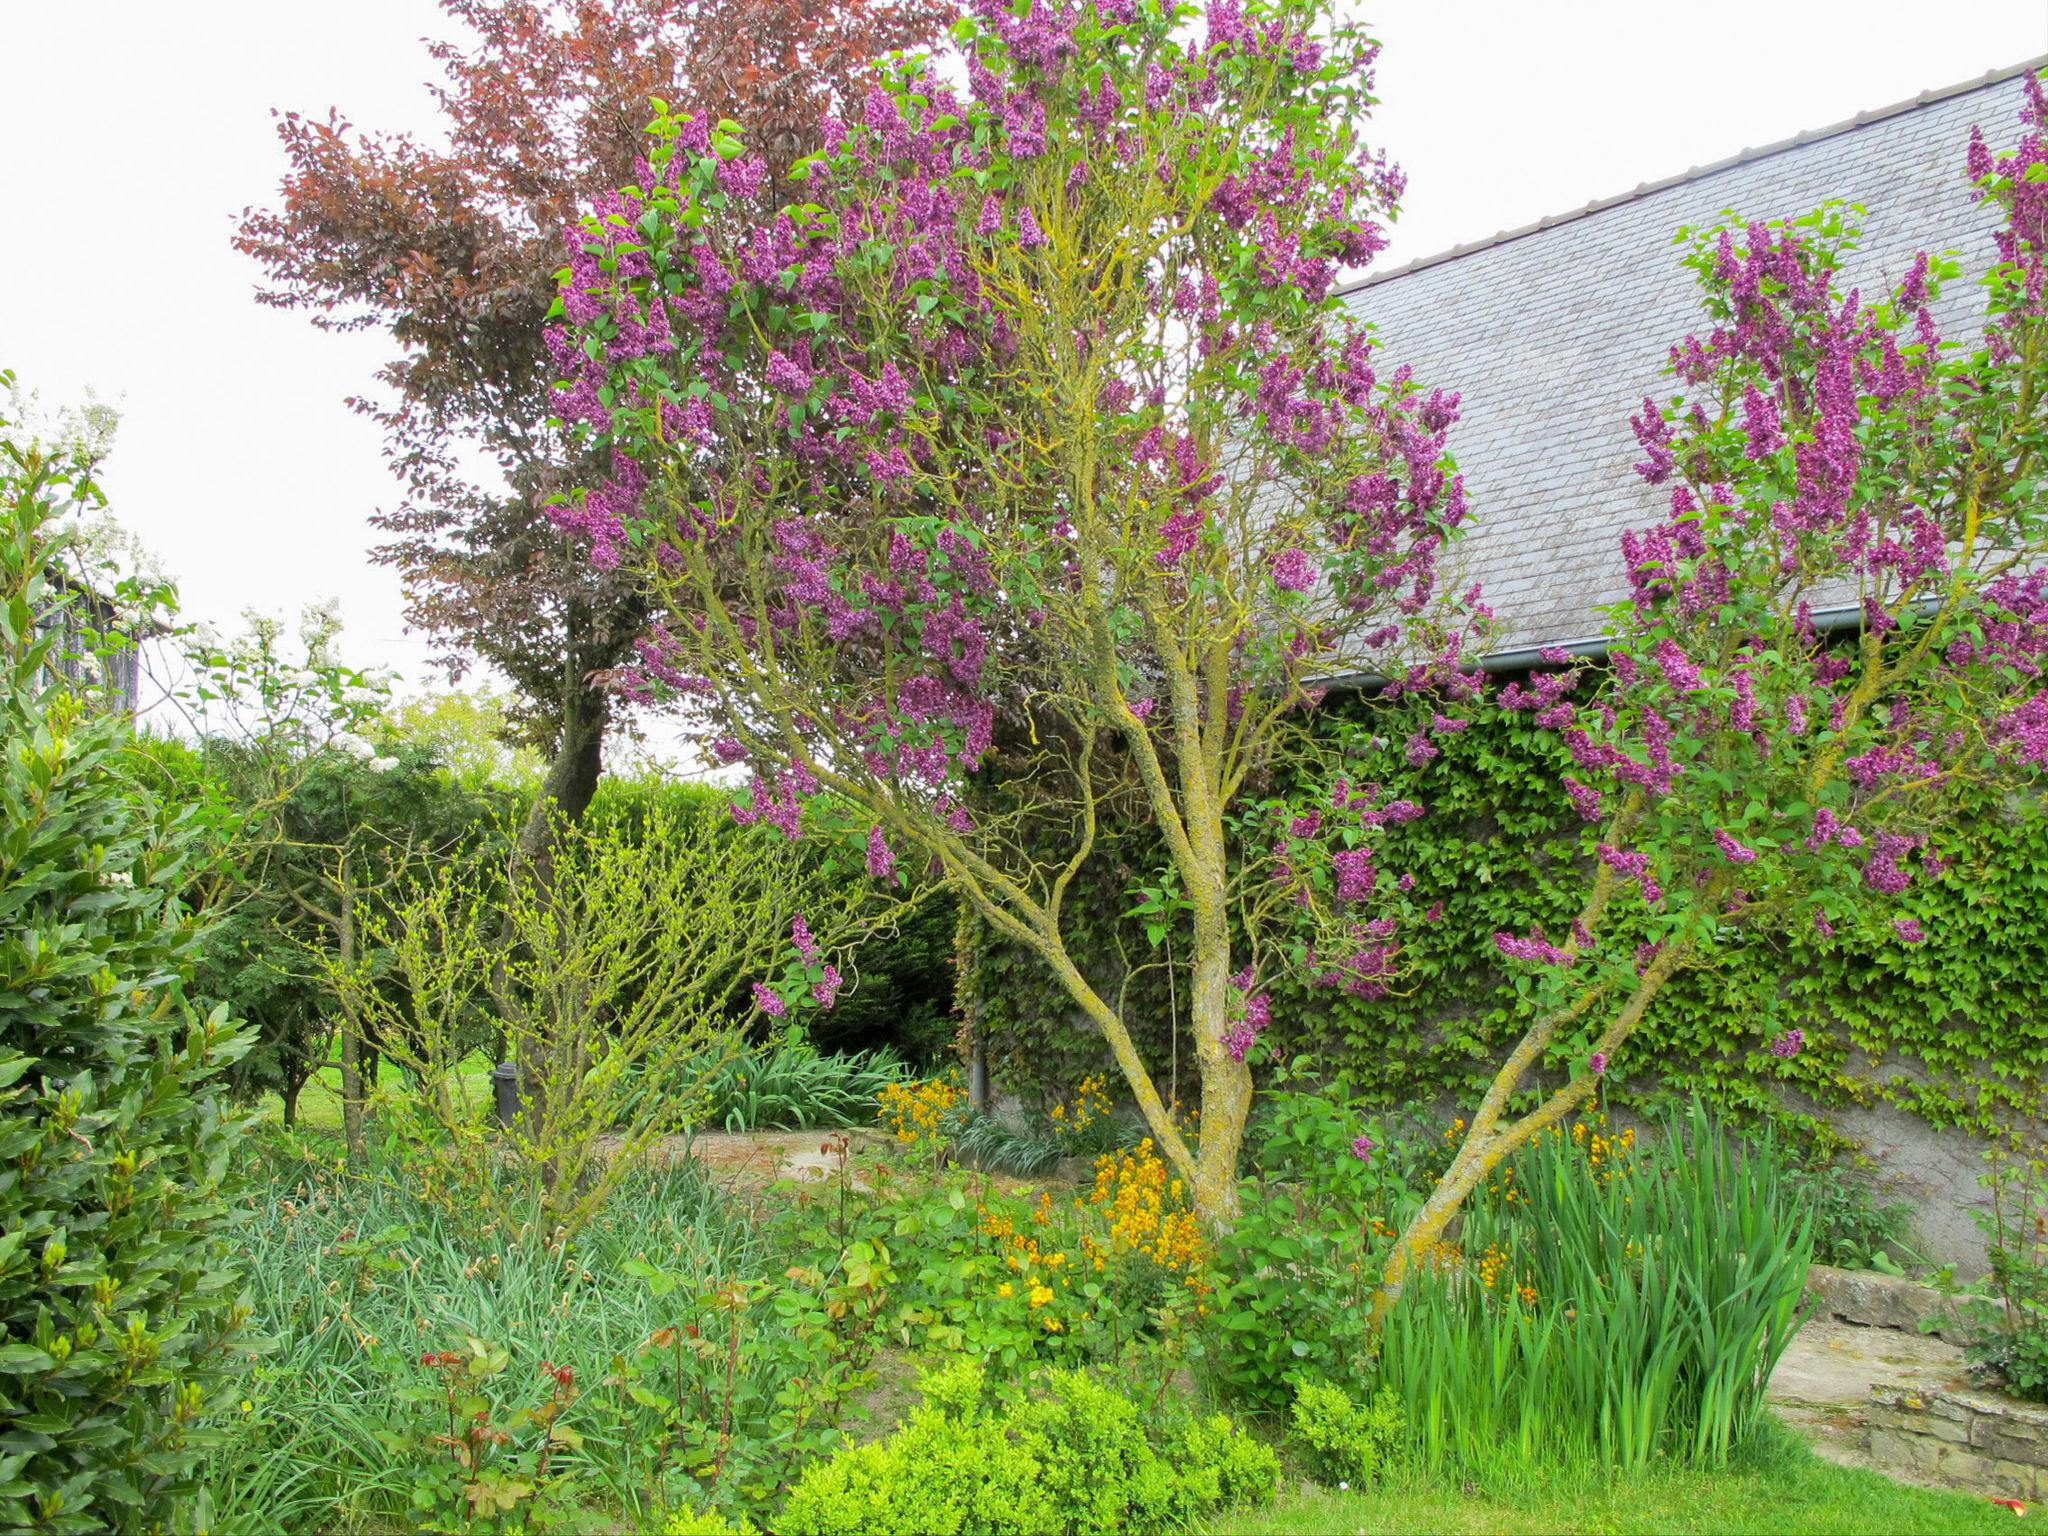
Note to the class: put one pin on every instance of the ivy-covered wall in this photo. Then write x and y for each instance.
(1954, 1030)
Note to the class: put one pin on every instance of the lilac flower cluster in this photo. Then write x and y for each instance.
(1828, 443)
(1254, 1014)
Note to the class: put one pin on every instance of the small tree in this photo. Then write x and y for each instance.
(1037, 416)
(1844, 613)
(117, 1302)
(626, 989)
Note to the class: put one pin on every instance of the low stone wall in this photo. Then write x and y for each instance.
(1872, 1300)
(1975, 1440)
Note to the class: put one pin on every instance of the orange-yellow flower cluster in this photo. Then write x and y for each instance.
(1040, 1270)
(1089, 1104)
(1146, 1212)
(917, 1112)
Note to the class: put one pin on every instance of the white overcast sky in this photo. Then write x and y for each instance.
(132, 132)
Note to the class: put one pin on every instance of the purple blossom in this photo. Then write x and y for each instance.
(881, 858)
(766, 999)
(826, 991)
(1789, 1044)
(1909, 930)
(800, 935)
(1535, 949)
(1356, 876)
(1597, 1063)
(1678, 668)
(1731, 850)
(1292, 571)
(1362, 1147)
(1585, 799)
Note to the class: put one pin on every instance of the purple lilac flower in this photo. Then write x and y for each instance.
(1597, 1063)
(1789, 1044)
(1731, 850)
(1293, 571)
(826, 991)
(1362, 1148)
(800, 935)
(766, 999)
(881, 858)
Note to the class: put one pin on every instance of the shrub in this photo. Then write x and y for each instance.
(789, 1085)
(2015, 1344)
(1343, 1441)
(1296, 1269)
(117, 1304)
(1074, 1460)
(1851, 1229)
(624, 971)
(707, 1522)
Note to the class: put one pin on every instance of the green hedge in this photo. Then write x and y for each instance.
(1953, 1029)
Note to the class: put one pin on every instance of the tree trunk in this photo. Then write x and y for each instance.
(289, 1093)
(565, 795)
(351, 1032)
(1226, 1083)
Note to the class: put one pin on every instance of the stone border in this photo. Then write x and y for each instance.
(1874, 1300)
(1975, 1440)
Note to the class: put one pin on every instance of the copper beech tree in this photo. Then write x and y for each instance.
(1034, 412)
(1844, 612)
(452, 250)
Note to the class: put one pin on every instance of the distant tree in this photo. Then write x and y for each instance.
(469, 732)
(453, 250)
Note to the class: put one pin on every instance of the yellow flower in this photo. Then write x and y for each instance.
(1006, 1290)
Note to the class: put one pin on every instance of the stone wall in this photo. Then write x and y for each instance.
(1968, 1439)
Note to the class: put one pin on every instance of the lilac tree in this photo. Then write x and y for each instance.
(1037, 421)
(1844, 612)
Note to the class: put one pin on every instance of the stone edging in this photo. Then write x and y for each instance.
(1977, 1440)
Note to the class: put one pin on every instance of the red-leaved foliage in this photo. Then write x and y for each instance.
(452, 249)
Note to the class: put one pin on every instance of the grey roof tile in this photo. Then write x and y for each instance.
(1555, 332)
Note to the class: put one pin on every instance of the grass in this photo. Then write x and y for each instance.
(352, 1278)
(320, 1099)
(1776, 1485)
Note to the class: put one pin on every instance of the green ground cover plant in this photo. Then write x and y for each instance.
(1071, 1457)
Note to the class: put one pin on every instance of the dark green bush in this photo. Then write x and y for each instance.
(117, 1300)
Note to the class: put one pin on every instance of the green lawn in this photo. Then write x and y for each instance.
(1783, 1489)
(320, 1099)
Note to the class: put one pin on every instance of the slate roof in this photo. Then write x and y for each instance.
(1555, 332)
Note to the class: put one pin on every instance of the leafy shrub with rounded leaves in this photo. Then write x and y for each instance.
(1073, 1461)
(116, 1301)
(1346, 1441)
